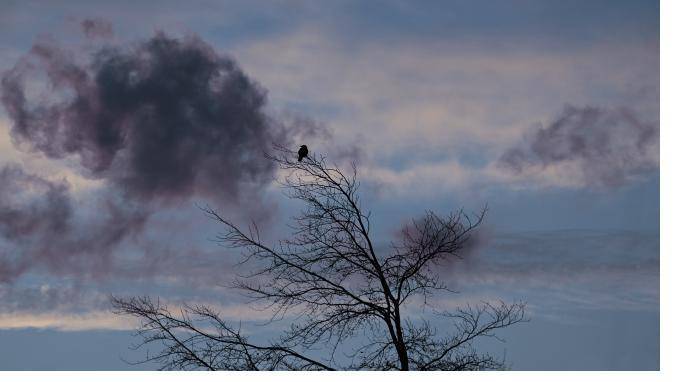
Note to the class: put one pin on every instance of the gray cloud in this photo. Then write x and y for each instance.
(40, 228)
(45, 298)
(163, 119)
(609, 146)
(97, 28)
(159, 121)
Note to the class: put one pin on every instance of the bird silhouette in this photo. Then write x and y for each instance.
(302, 152)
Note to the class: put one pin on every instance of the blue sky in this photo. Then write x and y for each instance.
(431, 96)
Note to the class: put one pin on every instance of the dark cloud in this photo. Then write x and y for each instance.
(159, 122)
(163, 119)
(609, 146)
(40, 229)
(97, 28)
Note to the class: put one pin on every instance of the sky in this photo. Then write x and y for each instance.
(545, 111)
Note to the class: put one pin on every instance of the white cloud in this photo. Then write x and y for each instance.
(107, 320)
(66, 321)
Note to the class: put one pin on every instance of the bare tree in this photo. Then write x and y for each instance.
(338, 286)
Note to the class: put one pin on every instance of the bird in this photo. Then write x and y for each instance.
(302, 152)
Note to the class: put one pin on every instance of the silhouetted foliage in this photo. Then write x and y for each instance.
(339, 286)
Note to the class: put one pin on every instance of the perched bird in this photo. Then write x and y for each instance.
(302, 152)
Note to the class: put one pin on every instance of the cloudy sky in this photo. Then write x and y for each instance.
(546, 111)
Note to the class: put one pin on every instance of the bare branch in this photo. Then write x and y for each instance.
(330, 280)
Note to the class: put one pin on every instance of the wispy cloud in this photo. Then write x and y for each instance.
(608, 147)
(97, 28)
(40, 227)
(562, 270)
(419, 108)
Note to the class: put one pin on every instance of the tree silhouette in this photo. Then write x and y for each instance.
(339, 287)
